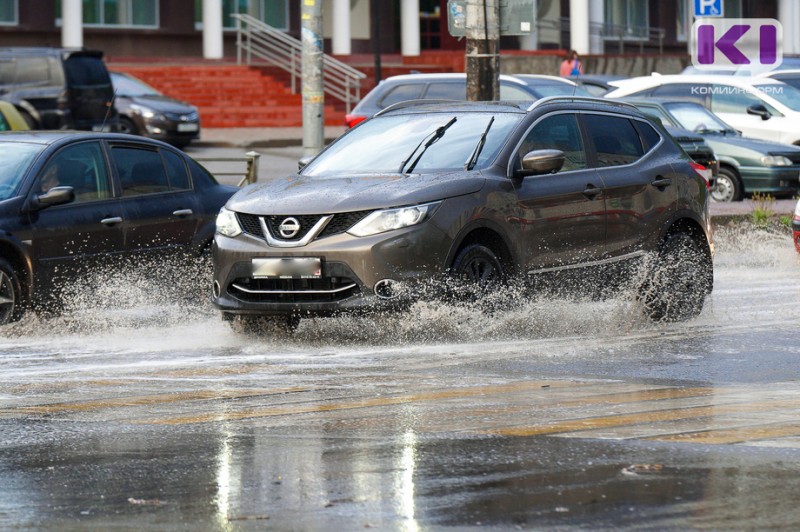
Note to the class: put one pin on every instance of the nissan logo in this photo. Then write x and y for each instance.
(289, 227)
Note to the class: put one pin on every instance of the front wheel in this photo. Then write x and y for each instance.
(678, 283)
(11, 308)
(127, 126)
(728, 187)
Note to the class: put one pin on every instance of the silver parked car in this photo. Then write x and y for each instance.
(478, 193)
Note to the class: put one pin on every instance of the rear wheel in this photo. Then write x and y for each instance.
(728, 186)
(677, 285)
(10, 294)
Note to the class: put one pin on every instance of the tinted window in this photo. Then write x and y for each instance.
(692, 91)
(178, 178)
(616, 141)
(447, 91)
(557, 132)
(84, 70)
(509, 92)
(650, 136)
(140, 171)
(81, 167)
(401, 93)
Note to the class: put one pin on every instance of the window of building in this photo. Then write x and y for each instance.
(8, 12)
(630, 16)
(272, 12)
(125, 13)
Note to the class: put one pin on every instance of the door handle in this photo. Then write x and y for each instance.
(111, 221)
(183, 212)
(591, 191)
(662, 182)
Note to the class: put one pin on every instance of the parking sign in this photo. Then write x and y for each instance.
(707, 8)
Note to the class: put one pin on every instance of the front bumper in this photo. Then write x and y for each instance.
(358, 273)
(781, 180)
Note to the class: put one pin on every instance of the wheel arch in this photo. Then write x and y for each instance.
(485, 234)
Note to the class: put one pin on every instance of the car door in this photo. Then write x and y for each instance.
(158, 202)
(731, 103)
(73, 237)
(561, 217)
(641, 189)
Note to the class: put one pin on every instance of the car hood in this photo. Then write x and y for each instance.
(298, 194)
(162, 104)
(731, 142)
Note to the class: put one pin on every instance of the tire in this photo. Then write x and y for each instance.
(11, 307)
(477, 272)
(32, 124)
(678, 284)
(127, 126)
(728, 186)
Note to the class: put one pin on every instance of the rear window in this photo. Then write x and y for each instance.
(446, 91)
(615, 140)
(86, 71)
(401, 93)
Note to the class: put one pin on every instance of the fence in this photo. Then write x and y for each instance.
(250, 160)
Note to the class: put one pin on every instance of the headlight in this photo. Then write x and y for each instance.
(391, 219)
(227, 224)
(776, 160)
(146, 112)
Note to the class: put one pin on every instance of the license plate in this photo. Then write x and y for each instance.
(183, 128)
(288, 268)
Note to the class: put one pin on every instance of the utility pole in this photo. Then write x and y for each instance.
(483, 50)
(313, 81)
(376, 38)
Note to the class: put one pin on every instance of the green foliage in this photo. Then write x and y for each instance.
(762, 208)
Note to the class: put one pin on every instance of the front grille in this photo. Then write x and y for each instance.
(183, 117)
(340, 223)
(325, 290)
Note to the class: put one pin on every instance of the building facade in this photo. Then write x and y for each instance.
(174, 28)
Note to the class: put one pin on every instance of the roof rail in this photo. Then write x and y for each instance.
(413, 103)
(585, 99)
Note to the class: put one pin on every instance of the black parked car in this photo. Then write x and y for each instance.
(482, 192)
(145, 111)
(69, 201)
(58, 88)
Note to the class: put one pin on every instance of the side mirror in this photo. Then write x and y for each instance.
(54, 196)
(540, 162)
(303, 162)
(759, 110)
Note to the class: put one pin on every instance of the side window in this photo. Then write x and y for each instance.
(684, 91)
(509, 92)
(616, 141)
(447, 91)
(650, 136)
(6, 72)
(81, 167)
(557, 132)
(736, 100)
(401, 93)
(176, 170)
(33, 71)
(140, 171)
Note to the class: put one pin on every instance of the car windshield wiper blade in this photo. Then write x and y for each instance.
(436, 135)
(473, 159)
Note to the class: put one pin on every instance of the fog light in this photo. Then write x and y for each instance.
(387, 289)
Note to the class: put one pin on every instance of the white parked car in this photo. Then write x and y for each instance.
(760, 107)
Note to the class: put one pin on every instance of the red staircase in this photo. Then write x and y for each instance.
(231, 95)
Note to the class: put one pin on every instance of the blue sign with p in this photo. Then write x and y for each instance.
(707, 8)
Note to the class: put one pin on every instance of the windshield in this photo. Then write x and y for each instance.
(16, 158)
(655, 112)
(785, 94)
(126, 86)
(695, 117)
(432, 142)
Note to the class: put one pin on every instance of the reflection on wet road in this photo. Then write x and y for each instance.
(555, 413)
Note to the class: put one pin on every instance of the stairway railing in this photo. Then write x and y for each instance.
(255, 39)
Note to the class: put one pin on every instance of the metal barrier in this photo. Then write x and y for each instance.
(250, 174)
(256, 39)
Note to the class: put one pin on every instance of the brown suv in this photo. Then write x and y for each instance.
(481, 192)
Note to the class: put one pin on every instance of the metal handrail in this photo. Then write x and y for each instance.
(256, 39)
(250, 174)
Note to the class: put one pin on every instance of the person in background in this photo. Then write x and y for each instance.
(571, 65)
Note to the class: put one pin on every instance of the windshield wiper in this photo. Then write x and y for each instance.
(473, 159)
(436, 135)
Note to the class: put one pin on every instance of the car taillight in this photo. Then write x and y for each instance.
(353, 120)
(63, 99)
(703, 172)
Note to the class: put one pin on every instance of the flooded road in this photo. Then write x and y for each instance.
(140, 409)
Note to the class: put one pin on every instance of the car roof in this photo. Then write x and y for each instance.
(550, 80)
(54, 137)
(439, 76)
(656, 79)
